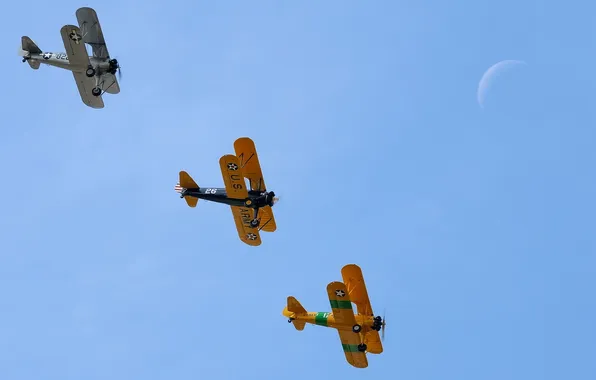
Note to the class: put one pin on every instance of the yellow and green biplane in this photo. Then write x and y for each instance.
(251, 204)
(359, 333)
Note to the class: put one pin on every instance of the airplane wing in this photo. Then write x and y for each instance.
(343, 313)
(78, 58)
(110, 83)
(341, 304)
(352, 276)
(349, 342)
(242, 218)
(85, 85)
(249, 162)
(267, 221)
(92, 33)
(75, 48)
(236, 188)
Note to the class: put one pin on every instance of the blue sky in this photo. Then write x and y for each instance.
(474, 228)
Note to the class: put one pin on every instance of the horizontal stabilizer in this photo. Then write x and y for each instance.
(186, 182)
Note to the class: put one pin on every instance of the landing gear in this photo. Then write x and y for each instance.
(356, 328)
(96, 91)
(90, 72)
(290, 320)
(255, 223)
(362, 347)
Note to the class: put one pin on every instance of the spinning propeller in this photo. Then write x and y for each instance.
(383, 328)
(114, 64)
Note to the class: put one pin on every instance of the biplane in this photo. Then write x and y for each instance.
(251, 203)
(94, 75)
(358, 333)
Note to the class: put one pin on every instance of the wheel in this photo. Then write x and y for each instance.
(254, 223)
(362, 347)
(90, 72)
(96, 91)
(356, 328)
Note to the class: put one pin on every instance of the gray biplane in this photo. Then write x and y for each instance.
(94, 75)
(251, 204)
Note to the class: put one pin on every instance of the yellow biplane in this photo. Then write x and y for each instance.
(359, 333)
(251, 204)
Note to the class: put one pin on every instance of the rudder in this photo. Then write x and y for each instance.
(186, 182)
(295, 307)
(29, 47)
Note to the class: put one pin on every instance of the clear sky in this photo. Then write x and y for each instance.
(474, 227)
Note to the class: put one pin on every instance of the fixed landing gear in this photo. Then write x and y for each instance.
(290, 320)
(356, 328)
(255, 223)
(96, 91)
(90, 72)
(362, 347)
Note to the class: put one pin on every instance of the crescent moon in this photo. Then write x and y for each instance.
(490, 75)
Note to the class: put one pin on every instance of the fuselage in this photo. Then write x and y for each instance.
(61, 60)
(327, 319)
(219, 195)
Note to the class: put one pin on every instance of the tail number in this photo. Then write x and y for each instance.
(210, 191)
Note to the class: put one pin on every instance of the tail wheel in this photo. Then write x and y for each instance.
(254, 223)
(356, 328)
(362, 347)
(96, 91)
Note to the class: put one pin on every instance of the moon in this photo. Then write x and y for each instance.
(490, 75)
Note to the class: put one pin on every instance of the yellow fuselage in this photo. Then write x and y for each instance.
(328, 320)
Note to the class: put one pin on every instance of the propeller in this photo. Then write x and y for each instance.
(115, 63)
(383, 328)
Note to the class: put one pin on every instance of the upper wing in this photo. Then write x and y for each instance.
(350, 342)
(92, 33)
(249, 162)
(246, 233)
(75, 48)
(373, 341)
(352, 276)
(341, 304)
(267, 221)
(110, 83)
(85, 85)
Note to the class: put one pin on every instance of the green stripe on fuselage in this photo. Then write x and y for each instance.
(321, 319)
(337, 304)
(350, 347)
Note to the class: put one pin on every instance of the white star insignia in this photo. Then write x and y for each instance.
(232, 166)
(47, 55)
(251, 236)
(340, 293)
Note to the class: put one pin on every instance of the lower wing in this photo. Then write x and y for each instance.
(350, 342)
(242, 218)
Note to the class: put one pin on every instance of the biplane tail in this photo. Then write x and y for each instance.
(186, 182)
(29, 47)
(293, 310)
